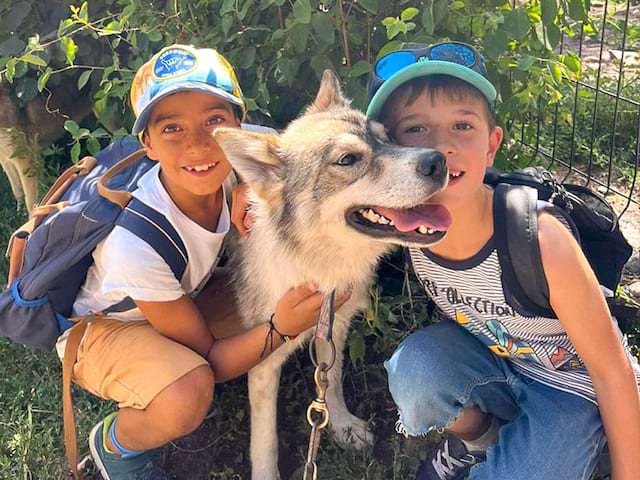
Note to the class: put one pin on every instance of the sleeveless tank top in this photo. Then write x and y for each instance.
(471, 293)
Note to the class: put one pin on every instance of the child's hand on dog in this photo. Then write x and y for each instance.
(299, 307)
(241, 216)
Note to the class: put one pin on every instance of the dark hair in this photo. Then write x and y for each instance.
(435, 85)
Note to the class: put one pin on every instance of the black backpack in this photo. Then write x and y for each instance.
(518, 198)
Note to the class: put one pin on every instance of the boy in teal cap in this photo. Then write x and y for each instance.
(519, 396)
(160, 360)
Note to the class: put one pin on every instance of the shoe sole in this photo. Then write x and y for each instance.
(94, 452)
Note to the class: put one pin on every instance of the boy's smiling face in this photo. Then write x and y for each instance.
(179, 136)
(458, 126)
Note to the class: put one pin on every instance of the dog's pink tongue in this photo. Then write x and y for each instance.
(435, 217)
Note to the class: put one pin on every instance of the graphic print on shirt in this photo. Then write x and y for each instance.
(564, 360)
(502, 343)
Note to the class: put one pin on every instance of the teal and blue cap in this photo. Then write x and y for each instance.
(455, 59)
(182, 68)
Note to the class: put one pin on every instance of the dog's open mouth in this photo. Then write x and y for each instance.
(420, 225)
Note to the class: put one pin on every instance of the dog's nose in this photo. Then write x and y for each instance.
(432, 164)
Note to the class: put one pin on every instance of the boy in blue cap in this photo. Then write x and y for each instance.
(160, 361)
(519, 396)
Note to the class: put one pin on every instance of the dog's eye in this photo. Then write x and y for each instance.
(347, 160)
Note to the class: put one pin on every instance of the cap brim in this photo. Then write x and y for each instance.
(141, 122)
(423, 69)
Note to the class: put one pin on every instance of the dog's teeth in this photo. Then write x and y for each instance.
(431, 231)
(422, 229)
(383, 220)
(391, 223)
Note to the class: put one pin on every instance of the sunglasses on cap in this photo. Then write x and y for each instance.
(454, 52)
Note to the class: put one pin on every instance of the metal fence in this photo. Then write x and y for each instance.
(592, 136)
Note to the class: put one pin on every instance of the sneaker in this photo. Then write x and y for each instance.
(112, 467)
(450, 460)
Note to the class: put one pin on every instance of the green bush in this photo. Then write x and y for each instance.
(279, 47)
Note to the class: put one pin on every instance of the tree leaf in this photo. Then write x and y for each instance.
(72, 127)
(227, 22)
(112, 28)
(573, 63)
(156, 35)
(44, 78)
(11, 22)
(516, 23)
(440, 11)
(408, 13)
(322, 26)
(69, 48)
(549, 35)
(64, 26)
(360, 68)
(302, 11)
(11, 69)
(75, 152)
(299, 36)
(549, 11)
(495, 43)
(388, 48)
(556, 72)
(33, 60)
(228, 6)
(12, 46)
(577, 10)
(388, 21)
(84, 78)
(370, 6)
(21, 69)
(100, 133)
(93, 146)
(526, 62)
(394, 29)
(247, 57)
(427, 18)
(83, 14)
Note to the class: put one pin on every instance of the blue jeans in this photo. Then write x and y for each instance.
(547, 433)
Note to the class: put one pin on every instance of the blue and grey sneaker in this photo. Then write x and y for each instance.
(112, 467)
(450, 460)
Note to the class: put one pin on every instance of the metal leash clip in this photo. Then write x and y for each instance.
(318, 413)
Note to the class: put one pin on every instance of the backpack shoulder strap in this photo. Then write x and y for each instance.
(151, 226)
(515, 217)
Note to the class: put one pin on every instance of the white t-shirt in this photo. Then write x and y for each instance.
(126, 266)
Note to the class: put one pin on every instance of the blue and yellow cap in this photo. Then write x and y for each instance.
(181, 68)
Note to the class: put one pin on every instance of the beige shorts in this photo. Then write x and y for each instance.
(130, 362)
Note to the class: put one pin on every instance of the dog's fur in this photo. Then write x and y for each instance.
(24, 130)
(301, 199)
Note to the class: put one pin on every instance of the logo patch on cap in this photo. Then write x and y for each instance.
(174, 62)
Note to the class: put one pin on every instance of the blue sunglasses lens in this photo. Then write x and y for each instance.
(393, 63)
(455, 53)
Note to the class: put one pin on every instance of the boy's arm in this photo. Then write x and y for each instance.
(577, 300)
(179, 320)
(230, 357)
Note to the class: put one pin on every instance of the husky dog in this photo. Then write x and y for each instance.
(330, 197)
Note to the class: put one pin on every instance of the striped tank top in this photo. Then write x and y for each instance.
(471, 293)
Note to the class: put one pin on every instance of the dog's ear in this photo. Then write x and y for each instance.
(254, 156)
(329, 94)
